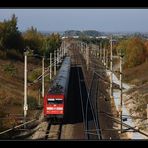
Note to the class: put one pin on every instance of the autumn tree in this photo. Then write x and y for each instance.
(134, 51)
(146, 46)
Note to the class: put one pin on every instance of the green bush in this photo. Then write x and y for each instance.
(10, 69)
(14, 54)
(32, 102)
(33, 75)
(3, 54)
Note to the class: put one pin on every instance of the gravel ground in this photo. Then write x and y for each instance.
(73, 131)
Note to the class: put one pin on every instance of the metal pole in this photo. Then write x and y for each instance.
(87, 58)
(63, 52)
(64, 48)
(85, 54)
(147, 113)
(121, 91)
(111, 69)
(50, 66)
(100, 52)
(80, 47)
(83, 48)
(25, 87)
(54, 62)
(57, 58)
(43, 77)
(97, 52)
(60, 54)
(104, 57)
(39, 103)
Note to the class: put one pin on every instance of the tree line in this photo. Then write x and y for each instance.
(85, 33)
(134, 49)
(13, 42)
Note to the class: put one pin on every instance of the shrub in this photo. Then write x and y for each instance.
(34, 75)
(10, 69)
(134, 51)
(14, 54)
(32, 103)
(3, 54)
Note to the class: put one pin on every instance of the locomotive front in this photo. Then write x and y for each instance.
(54, 102)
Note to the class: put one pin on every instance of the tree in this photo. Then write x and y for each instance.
(134, 51)
(33, 39)
(53, 42)
(10, 36)
(146, 46)
(2, 26)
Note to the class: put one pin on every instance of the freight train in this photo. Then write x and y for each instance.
(55, 99)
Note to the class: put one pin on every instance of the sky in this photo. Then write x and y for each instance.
(103, 20)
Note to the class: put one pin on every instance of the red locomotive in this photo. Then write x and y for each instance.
(54, 101)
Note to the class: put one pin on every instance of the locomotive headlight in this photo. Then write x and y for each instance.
(49, 108)
(59, 108)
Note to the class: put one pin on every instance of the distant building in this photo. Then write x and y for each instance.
(101, 37)
(75, 37)
(114, 41)
(64, 37)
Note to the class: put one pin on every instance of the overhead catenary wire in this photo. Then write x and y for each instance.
(93, 113)
(40, 77)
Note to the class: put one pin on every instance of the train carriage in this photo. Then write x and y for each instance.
(54, 101)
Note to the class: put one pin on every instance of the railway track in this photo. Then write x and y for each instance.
(53, 131)
(90, 119)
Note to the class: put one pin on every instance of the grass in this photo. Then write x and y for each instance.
(12, 92)
(139, 94)
(137, 75)
(10, 69)
(34, 74)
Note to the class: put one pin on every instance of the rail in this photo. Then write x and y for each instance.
(18, 126)
(124, 124)
(88, 102)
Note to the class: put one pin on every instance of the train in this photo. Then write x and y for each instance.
(55, 99)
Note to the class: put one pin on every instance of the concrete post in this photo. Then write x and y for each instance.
(25, 86)
(50, 66)
(43, 77)
(111, 69)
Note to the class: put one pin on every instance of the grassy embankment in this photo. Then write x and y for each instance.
(12, 90)
(138, 95)
(136, 98)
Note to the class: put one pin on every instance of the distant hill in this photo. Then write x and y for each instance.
(72, 33)
(92, 33)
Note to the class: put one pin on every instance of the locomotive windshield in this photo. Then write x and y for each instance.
(54, 101)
